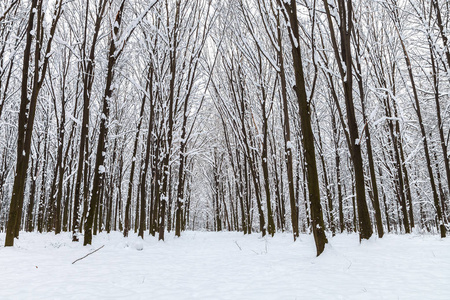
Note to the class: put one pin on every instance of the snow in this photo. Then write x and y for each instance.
(101, 169)
(207, 265)
(289, 145)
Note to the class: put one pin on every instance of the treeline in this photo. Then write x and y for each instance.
(153, 116)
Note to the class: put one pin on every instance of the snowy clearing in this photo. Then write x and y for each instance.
(207, 265)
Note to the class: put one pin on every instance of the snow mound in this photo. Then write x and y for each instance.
(139, 245)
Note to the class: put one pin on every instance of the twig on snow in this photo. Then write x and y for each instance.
(238, 245)
(88, 254)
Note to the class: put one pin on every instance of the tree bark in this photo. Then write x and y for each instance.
(99, 171)
(345, 64)
(308, 136)
(88, 79)
(28, 110)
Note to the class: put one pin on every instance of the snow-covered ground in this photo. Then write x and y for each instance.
(207, 265)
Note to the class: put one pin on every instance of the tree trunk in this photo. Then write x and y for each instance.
(373, 176)
(424, 140)
(99, 171)
(308, 136)
(28, 109)
(344, 60)
(88, 79)
(133, 166)
(287, 133)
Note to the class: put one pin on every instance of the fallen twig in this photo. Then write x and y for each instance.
(88, 254)
(238, 245)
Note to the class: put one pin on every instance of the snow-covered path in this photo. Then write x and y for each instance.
(206, 265)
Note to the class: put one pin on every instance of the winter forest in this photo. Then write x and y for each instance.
(306, 125)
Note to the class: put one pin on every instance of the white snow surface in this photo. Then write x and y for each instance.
(208, 265)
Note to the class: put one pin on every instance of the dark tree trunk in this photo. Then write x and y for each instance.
(287, 133)
(442, 29)
(345, 63)
(424, 141)
(438, 109)
(43, 193)
(99, 171)
(88, 79)
(217, 192)
(337, 158)
(136, 214)
(165, 190)
(308, 136)
(247, 189)
(66, 220)
(29, 225)
(110, 194)
(386, 209)
(147, 157)
(133, 166)
(373, 176)
(28, 109)
(181, 172)
(330, 210)
(169, 201)
(58, 174)
(279, 198)
(15, 210)
(265, 166)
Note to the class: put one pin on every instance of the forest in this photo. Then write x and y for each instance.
(257, 116)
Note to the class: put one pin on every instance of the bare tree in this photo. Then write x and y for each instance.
(28, 105)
